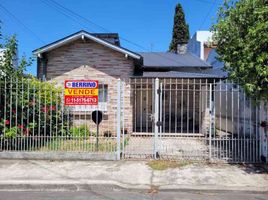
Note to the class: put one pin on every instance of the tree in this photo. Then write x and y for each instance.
(28, 107)
(180, 33)
(241, 34)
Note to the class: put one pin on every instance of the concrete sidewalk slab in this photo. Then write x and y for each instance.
(82, 175)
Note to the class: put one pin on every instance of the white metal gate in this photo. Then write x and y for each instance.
(195, 119)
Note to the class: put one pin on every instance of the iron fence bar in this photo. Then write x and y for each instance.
(118, 119)
(33, 123)
(62, 121)
(160, 110)
(16, 105)
(182, 98)
(135, 106)
(39, 110)
(28, 112)
(147, 106)
(210, 125)
(164, 106)
(250, 132)
(156, 117)
(244, 124)
(141, 111)
(194, 107)
(5, 105)
(123, 117)
(200, 107)
(187, 112)
(176, 105)
(220, 134)
(214, 113)
(232, 115)
(256, 130)
(238, 120)
(169, 106)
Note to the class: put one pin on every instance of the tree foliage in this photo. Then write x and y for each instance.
(180, 33)
(28, 106)
(241, 33)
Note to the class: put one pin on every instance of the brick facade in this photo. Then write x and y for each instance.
(85, 59)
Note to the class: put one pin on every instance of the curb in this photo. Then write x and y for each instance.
(112, 186)
(59, 156)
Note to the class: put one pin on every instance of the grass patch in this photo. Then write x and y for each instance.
(166, 164)
(80, 145)
(105, 145)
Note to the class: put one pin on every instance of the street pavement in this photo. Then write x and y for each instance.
(41, 175)
(133, 195)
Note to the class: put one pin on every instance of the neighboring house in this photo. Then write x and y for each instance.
(241, 116)
(198, 44)
(15, 59)
(83, 55)
(201, 44)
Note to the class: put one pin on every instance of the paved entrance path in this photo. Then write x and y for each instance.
(168, 147)
(80, 175)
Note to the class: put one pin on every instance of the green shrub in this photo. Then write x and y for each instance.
(33, 105)
(82, 130)
(11, 132)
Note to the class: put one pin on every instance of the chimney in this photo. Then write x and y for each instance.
(181, 48)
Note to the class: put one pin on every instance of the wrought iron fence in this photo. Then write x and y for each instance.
(201, 119)
(33, 117)
(171, 118)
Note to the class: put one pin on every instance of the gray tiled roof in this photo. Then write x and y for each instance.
(171, 60)
(209, 73)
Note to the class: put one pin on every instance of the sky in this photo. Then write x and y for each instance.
(143, 25)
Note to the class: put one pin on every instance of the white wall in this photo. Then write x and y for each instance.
(196, 43)
(15, 59)
(235, 113)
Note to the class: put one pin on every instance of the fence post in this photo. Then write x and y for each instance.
(210, 121)
(263, 131)
(118, 122)
(156, 116)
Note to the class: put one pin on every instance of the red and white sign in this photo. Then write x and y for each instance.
(81, 92)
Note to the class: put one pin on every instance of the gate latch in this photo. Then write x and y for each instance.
(264, 124)
(159, 123)
(151, 117)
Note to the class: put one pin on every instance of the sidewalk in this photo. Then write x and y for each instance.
(82, 175)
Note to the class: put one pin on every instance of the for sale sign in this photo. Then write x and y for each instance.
(81, 92)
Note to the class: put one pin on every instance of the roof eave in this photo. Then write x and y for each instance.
(174, 67)
(85, 34)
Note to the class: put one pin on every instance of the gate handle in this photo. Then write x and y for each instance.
(264, 124)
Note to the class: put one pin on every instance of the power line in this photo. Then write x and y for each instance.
(69, 11)
(67, 15)
(95, 24)
(209, 11)
(21, 23)
(79, 16)
(204, 1)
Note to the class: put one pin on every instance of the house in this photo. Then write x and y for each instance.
(239, 119)
(99, 56)
(15, 59)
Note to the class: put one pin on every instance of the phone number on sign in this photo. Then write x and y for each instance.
(81, 100)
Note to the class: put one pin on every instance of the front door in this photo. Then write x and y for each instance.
(143, 122)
